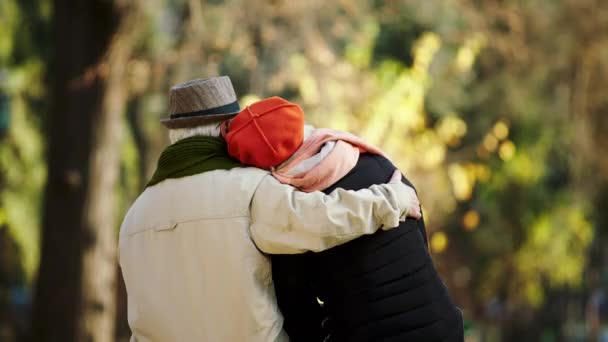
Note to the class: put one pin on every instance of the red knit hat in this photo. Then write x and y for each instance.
(266, 133)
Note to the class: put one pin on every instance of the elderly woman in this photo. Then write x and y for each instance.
(379, 287)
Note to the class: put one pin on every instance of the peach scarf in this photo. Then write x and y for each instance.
(330, 155)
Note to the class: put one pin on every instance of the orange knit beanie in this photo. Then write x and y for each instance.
(266, 133)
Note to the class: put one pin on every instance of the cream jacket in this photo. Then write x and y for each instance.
(190, 249)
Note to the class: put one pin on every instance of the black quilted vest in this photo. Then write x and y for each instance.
(380, 287)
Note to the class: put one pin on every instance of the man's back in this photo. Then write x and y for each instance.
(378, 287)
(191, 270)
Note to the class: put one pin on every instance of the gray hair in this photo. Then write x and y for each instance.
(207, 130)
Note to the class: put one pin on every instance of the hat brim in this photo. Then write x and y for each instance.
(196, 120)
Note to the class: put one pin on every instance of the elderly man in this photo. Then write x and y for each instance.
(188, 245)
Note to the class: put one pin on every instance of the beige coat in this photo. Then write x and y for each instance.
(190, 250)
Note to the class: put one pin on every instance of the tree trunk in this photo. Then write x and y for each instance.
(74, 299)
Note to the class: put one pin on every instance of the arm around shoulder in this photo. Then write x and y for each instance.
(287, 221)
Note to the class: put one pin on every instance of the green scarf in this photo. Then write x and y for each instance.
(192, 156)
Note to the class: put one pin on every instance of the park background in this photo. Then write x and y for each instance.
(497, 110)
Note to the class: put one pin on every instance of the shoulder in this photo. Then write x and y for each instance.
(380, 165)
(376, 160)
(370, 169)
(214, 194)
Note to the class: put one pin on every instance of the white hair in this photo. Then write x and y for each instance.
(206, 130)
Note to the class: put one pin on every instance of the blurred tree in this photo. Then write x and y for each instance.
(75, 298)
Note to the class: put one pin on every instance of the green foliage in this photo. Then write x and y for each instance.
(22, 165)
(24, 173)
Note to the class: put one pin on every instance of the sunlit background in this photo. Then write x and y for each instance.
(497, 110)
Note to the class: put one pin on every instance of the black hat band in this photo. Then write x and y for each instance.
(225, 109)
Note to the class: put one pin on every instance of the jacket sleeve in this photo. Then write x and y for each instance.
(287, 221)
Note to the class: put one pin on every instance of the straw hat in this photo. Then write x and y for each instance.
(201, 101)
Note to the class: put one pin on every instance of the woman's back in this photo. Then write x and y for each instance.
(381, 287)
